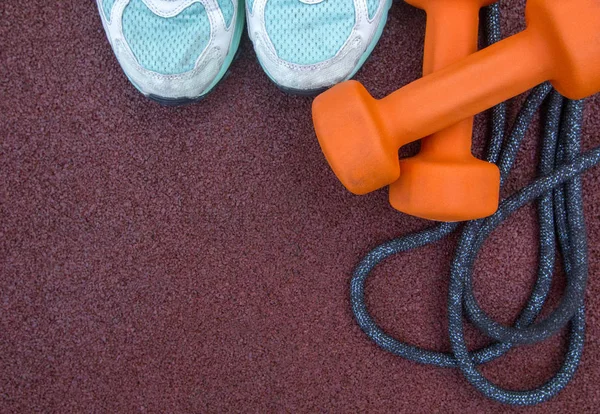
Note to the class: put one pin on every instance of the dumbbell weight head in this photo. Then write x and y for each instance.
(570, 32)
(445, 185)
(354, 139)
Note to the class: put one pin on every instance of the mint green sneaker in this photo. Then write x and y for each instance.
(306, 46)
(173, 51)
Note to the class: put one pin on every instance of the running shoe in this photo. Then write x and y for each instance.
(306, 46)
(173, 51)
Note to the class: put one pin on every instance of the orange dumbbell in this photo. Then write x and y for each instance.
(360, 136)
(430, 181)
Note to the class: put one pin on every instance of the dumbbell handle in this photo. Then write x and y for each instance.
(451, 35)
(466, 88)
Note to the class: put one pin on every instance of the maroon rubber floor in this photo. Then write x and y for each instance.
(198, 259)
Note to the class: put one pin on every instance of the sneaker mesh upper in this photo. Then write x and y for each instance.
(227, 10)
(166, 45)
(107, 7)
(373, 5)
(308, 33)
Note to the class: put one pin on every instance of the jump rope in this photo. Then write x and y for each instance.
(558, 192)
